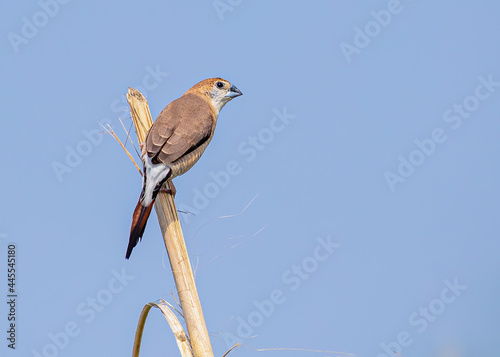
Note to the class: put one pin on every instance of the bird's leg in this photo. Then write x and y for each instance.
(169, 187)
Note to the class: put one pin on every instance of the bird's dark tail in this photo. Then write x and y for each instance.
(141, 212)
(139, 220)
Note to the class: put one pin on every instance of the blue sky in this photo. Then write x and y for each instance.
(348, 202)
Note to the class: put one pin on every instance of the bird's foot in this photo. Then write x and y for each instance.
(168, 187)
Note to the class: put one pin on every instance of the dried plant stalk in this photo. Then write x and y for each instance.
(174, 242)
(175, 325)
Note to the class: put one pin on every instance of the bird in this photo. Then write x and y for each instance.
(176, 140)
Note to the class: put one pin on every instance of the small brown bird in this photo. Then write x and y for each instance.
(175, 142)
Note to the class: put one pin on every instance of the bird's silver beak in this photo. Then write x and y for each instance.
(233, 92)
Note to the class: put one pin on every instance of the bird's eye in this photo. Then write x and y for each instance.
(219, 85)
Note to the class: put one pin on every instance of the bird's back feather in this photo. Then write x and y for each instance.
(184, 125)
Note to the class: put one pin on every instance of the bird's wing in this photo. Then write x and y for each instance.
(181, 127)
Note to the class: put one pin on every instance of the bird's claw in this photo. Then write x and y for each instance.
(168, 187)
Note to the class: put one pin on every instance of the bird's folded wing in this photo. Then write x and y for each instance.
(184, 125)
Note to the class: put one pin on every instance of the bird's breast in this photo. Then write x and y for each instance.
(185, 162)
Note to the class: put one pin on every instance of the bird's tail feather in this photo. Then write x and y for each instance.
(141, 212)
(139, 220)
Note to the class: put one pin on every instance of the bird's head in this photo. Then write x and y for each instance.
(217, 91)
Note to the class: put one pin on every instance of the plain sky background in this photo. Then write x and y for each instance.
(360, 98)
